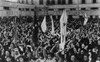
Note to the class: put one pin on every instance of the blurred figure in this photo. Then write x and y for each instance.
(41, 58)
(50, 58)
(73, 59)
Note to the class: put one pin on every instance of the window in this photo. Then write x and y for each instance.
(72, 8)
(32, 1)
(69, 1)
(26, 1)
(20, 9)
(40, 9)
(48, 2)
(94, 1)
(32, 9)
(27, 9)
(83, 1)
(59, 1)
(22, 1)
(41, 2)
(63, 1)
(53, 1)
(94, 8)
(61, 9)
(6, 8)
(83, 8)
(50, 9)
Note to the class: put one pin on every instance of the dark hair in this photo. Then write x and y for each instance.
(41, 55)
(51, 54)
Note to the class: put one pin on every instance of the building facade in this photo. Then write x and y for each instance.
(73, 7)
(49, 7)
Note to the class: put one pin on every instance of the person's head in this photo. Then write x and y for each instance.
(72, 58)
(50, 56)
(7, 53)
(28, 54)
(82, 51)
(83, 45)
(12, 45)
(21, 59)
(85, 57)
(98, 59)
(41, 56)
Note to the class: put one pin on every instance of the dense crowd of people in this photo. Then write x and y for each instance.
(82, 41)
(17, 42)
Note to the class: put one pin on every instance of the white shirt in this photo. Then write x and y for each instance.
(52, 60)
(97, 61)
(40, 60)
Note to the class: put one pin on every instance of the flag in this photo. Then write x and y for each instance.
(15, 37)
(43, 25)
(85, 20)
(63, 23)
(52, 31)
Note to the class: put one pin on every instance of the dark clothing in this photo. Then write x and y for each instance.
(74, 60)
(84, 41)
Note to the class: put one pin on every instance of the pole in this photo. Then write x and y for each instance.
(35, 30)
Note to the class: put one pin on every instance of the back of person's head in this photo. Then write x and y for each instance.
(98, 59)
(21, 59)
(72, 58)
(41, 55)
(50, 55)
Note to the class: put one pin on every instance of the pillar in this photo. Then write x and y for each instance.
(88, 1)
(36, 2)
(29, 1)
(20, 1)
(24, 1)
(56, 2)
(44, 2)
(79, 1)
(66, 1)
(98, 1)
(75, 1)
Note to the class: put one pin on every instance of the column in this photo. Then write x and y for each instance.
(24, 1)
(29, 1)
(20, 1)
(67, 1)
(79, 1)
(88, 1)
(44, 2)
(75, 1)
(98, 1)
(36, 2)
(56, 2)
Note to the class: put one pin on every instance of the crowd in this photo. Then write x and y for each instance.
(15, 38)
(82, 41)
(17, 42)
